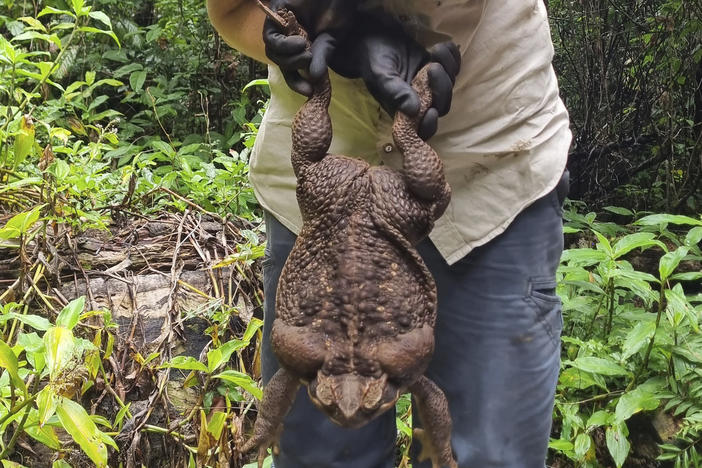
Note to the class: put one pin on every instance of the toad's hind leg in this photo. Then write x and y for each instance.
(422, 169)
(433, 410)
(311, 128)
(278, 397)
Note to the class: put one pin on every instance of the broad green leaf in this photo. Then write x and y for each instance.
(216, 423)
(78, 7)
(599, 418)
(8, 361)
(214, 359)
(89, 77)
(638, 336)
(639, 399)
(34, 321)
(44, 434)
(583, 257)
(603, 244)
(679, 306)
(136, 80)
(109, 82)
(584, 286)
(218, 356)
(619, 210)
(598, 366)
(162, 146)
(33, 22)
(403, 427)
(670, 261)
(19, 224)
(34, 35)
(46, 404)
(556, 444)
(101, 31)
(34, 349)
(101, 17)
(635, 275)
(634, 241)
(577, 379)
(70, 314)
(693, 237)
(242, 380)
(656, 219)
(54, 11)
(60, 168)
(184, 362)
(617, 444)
(76, 421)
(59, 349)
(102, 420)
(126, 69)
(688, 276)
(582, 445)
(251, 329)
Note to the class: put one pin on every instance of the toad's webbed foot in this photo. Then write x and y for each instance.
(429, 452)
(278, 397)
(435, 438)
(263, 446)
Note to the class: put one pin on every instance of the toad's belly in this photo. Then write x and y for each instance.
(352, 282)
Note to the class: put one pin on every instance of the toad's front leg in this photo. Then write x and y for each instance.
(278, 396)
(433, 410)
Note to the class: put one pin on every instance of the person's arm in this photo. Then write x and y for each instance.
(240, 23)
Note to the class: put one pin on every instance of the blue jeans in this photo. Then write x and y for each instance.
(497, 353)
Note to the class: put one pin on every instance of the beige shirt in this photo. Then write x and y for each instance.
(504, 143)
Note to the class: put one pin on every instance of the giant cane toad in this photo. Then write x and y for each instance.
(355, 305)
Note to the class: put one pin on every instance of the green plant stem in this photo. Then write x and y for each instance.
(594, 317)
(610, 307)
(647, 356)
(163, 430)
(13, 411)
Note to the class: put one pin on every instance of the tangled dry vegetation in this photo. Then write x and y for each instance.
(160, 293)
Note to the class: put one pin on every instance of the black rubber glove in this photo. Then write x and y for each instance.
(387, 59)
(326, 22)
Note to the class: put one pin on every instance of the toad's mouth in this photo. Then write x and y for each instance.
(352, 400)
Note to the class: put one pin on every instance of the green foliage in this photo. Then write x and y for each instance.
(46, 366)
(63, 105)
(214, 381)
(631, 335)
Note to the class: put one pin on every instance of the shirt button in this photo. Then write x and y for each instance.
(388, 148)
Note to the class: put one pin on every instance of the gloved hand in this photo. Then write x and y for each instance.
(387, 59)
(326, 22)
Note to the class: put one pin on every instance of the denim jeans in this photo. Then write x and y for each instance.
(496, 358)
